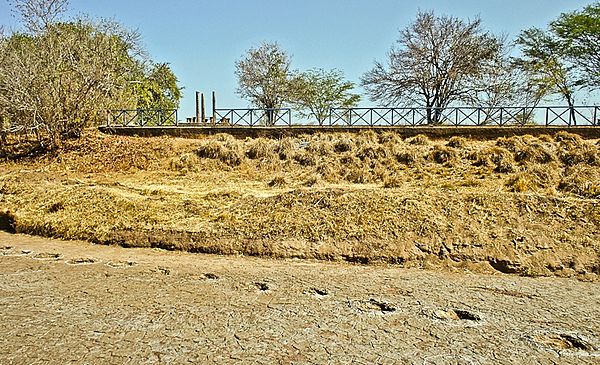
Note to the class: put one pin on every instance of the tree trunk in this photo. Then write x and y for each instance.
(572, 115)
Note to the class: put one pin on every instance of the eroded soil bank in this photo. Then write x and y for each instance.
(523, 205)
(64, 302)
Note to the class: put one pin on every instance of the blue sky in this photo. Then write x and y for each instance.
(202, 39)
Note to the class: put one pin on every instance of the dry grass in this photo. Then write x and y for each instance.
(535, 178)
(359, 197)
(582, 180)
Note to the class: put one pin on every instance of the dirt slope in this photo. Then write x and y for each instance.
(524, 205)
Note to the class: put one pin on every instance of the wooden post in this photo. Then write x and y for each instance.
(197, 107)
(214, 108)
(203, 110)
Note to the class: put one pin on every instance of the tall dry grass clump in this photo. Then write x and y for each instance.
(581, 180)
(457, 142)
(229, 151)
(574, 150)
(285, 148)
(342, 145)
(444, 155)
(534, 152)
(499, 159)
(259, 149)
(320, 145)
(419, 140)
(535, 178)
(187, 162)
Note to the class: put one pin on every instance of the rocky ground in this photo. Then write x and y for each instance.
(73, 302)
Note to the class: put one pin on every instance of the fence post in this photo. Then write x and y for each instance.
(214, 108)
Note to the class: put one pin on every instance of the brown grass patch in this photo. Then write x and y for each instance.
(419, 140)
(582, 180)
(377, 198)
(534, 178)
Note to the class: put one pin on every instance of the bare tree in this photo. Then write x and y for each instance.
(433, 64)
(64, 78)
(37, 15)
(263, 77)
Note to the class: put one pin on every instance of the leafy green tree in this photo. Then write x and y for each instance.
(157, 89)
(316, 91)
(578, 35)
(566, 57)
(543, 56)
(503, 83)
(264, 76)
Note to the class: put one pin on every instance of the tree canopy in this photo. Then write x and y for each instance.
(433, 63)
(62, 76)
(578, 36)
(566, 57)
(263, 76)
(316, 91)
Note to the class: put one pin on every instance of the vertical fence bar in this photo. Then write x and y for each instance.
(214, 108)
(572, 116)
(456, 117)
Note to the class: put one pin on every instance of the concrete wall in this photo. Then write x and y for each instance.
(483, 132)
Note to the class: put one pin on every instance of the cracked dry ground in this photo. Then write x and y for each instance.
(72, 302)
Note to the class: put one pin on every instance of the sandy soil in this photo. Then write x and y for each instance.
(73, 302)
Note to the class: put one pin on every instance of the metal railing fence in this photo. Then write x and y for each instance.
(372, 117)
(142, 118)
(254, 117)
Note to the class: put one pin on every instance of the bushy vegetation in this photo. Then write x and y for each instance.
(59, 76)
